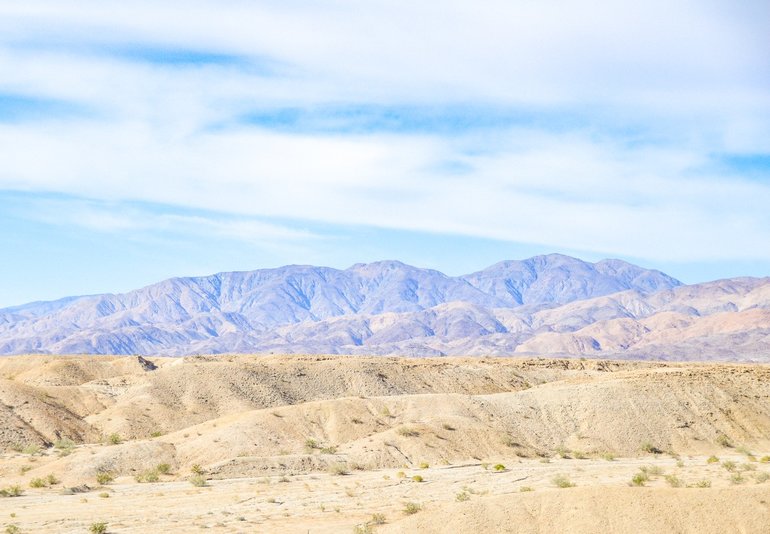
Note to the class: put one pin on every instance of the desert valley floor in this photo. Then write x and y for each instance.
(326, 444)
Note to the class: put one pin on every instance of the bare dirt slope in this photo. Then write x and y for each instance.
(297, 422)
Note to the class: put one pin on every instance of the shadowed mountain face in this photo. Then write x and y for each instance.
(543, 304)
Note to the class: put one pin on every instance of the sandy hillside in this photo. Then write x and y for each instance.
(321, 443)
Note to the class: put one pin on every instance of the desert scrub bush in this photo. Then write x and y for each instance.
(12, 529)
(408, 432)
(331, 449)
(610, 457)
(508, 441)
(114, 439)
(748, 467)
(639, 479)
(104, 477)
(38, 483)
(163, 469)
(147, 476)
(12, 491)
(702, 484)
(363, 528)
(724, 441)
(411, 508)
(51, 479)
(418, 478)
(674, 481)
(311, 444)
(98, 528)
(31, 449)
(377, 519)
(196, 469)
(737, 478)
(651, 470)
(649, 448)
(712, 460)
(462, 496)
(424, 465)
(197, 480)
(338, 469)
(761, 477)
(729, 465)
(65, 446)
(765, 459)
(499, 467)
(562, 481)
(562, 452)
(680, 463)
(104, 495)
(525, 489)
(580, 455)
(400, 474)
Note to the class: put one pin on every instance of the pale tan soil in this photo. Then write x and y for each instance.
(247, 422)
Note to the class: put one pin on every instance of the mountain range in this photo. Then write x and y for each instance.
(552, 304)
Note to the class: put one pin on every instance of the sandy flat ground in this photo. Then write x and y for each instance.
(328, 503)
(270, 435)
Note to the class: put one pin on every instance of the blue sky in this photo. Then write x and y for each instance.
(145, 140)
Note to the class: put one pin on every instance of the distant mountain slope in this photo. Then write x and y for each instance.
(382, 307)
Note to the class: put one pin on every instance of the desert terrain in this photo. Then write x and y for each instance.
(326, 444)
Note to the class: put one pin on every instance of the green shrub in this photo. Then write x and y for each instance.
(424, 465)
(765, 459)
(338, 469)
(377, 519)
(418, 478)
(197, 480)
(12, 529)
(31, 449)
(37, 483)
(712, 459)
(650, 448)
(703, 484)
(462, 496)
(724, 441)
(64, 444)
(411, 508)
(197, 469)
(761, 477)
(562, 481)
(729, 465)
(104, 477)
(148, 476)
(408, 432)
(525, 489)
(737, 478)
(12, 491)
(499, 467)
(114, 439)
(163, 469)
(98, 528)
(639, 479)
(673, 481)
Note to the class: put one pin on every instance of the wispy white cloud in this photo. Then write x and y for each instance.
(599, 123)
